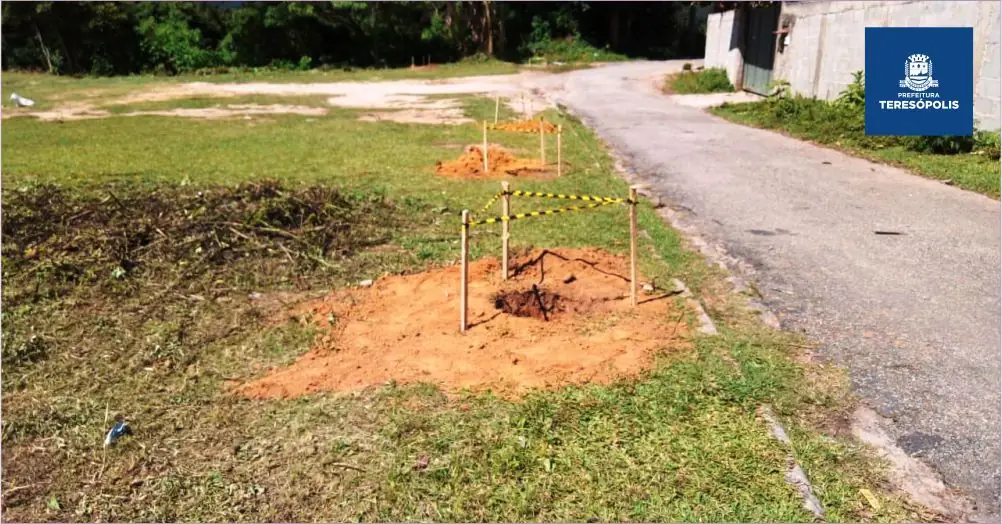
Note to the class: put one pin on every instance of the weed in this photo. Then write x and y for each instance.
(706, 81)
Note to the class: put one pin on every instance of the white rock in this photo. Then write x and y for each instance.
(365, 283)
(21, 101)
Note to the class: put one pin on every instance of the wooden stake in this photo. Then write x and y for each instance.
(497, 105)
(486, 167)
(542, 144)
(464, 271)
(505, 231)
(412, 61)
(560, 131)
(633, 245)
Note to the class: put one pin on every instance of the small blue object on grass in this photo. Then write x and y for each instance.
(116, 431)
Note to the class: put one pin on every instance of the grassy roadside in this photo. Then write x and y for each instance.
(971, 163)
(688, 82)
(158, 344)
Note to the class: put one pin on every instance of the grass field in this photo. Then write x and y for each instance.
(86, 338)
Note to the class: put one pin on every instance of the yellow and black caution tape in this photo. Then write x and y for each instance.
(508, 218)
(491, 201)
(611, 200)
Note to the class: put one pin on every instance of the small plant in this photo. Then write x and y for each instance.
(941, 145)
(687, 67)
(706, 81)
(781, 88)
(987, 143)
(854, 95)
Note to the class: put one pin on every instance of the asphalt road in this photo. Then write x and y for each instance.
(914, 316)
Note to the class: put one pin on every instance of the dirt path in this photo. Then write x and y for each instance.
(410, 101)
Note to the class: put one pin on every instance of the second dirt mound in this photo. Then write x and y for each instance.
(524, 126)
(500, 162)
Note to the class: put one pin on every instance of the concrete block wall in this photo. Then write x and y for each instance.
(722, 50)
(826, 44)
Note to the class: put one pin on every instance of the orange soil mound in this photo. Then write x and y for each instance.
(563, 318)
(500, 161)
(524, 126)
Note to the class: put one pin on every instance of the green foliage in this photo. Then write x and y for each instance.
(987, 143)
(120, 38)
(571, 49)
(171, 43)
(706, 81)
(854, 95)
(941, 145)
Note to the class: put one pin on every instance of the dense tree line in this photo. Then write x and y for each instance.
(106, 38)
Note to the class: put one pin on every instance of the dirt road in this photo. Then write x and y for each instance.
(914, 315)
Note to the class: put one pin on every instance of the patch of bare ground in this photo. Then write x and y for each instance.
(563, 317)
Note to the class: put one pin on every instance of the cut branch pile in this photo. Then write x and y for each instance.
(124, 241)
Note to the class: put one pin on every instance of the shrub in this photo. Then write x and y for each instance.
(854, 95)
(705, 81)
(172, 45)
(941, 145)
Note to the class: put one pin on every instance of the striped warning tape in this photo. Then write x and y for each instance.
(491, 201)
(610, 200)
(508, 218)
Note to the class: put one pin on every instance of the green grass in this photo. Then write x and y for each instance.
(680, 443)
(698, 82)
(823, 123)
(572, 50)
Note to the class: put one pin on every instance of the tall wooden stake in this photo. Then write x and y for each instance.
(497, 105)
(542, 144)
(560, 155)
(464, 271)
(486, 167)
(633, 245)
(505, 231)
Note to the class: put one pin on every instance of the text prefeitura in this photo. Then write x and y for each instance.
(919, 104)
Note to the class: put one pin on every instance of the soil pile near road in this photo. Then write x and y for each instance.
(564, 317)
(524, 126)
(500, 162)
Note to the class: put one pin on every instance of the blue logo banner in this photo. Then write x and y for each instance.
(919, 81)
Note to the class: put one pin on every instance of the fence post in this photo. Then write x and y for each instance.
(497, 105)
(542, 143)
(464, 271)
(486, 168)
(505, 231)
(633, 245)
(560, 131)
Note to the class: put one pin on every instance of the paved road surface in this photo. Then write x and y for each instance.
(915, 316)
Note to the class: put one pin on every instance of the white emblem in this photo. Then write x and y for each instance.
(918, 74)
